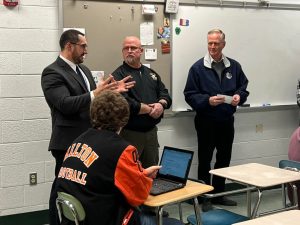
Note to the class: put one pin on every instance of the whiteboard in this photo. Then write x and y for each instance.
(266, 42)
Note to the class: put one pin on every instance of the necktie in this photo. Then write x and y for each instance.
(81, 76)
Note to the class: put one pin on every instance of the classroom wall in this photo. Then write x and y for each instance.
(28, 42)
(261, 136)
(252, 49)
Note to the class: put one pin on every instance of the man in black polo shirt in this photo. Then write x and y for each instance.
(147, 100)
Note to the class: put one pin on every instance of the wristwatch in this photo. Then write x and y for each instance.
(164, 105)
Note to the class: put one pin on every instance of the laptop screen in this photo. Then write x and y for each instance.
(175, 164)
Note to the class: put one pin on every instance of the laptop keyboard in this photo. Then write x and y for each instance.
(161, 186)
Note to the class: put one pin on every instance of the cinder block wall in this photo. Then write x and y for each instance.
(28, 42)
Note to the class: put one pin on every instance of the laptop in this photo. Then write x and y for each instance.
(173, 174)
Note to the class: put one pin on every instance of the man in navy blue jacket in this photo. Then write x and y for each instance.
(215, 86)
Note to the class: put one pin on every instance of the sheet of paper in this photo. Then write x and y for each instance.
(148, 9)
(147, 64)
(228, 99)
(172, 6)
(151, 54)
(147, 33)
(98, 76)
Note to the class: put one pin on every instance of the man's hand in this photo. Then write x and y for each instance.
(124, 84)
(110, 84)
(157, 110)
(152, 171)
(145, 109)
(106, 84)
(216, 100)
(235, 100)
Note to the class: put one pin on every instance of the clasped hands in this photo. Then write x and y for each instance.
(111, 84)
(156, 110)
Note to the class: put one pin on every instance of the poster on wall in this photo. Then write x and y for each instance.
(172, 6)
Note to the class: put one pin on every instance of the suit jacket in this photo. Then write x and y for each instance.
(69, 102)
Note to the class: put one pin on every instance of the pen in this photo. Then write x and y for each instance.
(245, 105)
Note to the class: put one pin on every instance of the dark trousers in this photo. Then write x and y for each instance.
(214, 135)
(53, 214)
(290, 193)
(146, 143)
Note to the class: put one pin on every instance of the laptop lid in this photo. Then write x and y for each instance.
(175, 164)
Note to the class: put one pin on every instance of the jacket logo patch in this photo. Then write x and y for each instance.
(228, 75)
(153, 76)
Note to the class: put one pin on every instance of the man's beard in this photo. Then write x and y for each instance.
(131, 60)
(78, 59)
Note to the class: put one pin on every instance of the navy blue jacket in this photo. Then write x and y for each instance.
(203, 82)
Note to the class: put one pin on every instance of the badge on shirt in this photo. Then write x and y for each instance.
(228, 75)
(153, 76)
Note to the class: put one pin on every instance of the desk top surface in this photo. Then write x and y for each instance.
(291, 217)
(191, 190)
(258, 175)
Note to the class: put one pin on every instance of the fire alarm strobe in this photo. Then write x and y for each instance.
(10, 2)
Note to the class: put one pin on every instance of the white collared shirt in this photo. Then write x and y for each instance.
(208, 60)
(73, 66)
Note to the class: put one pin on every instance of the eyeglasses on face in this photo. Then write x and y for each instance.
(131, 48)
(84, 46)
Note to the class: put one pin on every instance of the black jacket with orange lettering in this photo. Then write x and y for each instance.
(103, 172)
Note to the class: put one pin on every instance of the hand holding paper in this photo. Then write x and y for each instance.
(216, 100)
(227, 98)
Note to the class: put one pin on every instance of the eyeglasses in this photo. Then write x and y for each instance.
(131, 48)
(84, 46)
(217, 44)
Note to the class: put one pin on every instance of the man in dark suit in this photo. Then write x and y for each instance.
(69, 88)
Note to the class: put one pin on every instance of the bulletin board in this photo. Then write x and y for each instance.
(106, 24)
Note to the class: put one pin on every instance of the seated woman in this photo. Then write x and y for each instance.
(294, 154)
(102, 170)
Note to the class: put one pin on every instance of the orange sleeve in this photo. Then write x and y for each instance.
(130, 178)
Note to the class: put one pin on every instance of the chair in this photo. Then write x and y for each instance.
(69, 207)
(219, 216)
(171, 221)
(292, 190)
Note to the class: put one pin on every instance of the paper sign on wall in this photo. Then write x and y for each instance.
(147, 33)
(98, 76)
(148, 9)
(172, 6)
(151, 54)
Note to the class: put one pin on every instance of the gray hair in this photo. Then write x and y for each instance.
(217, 31)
